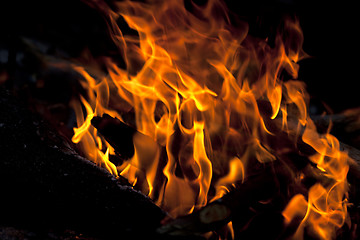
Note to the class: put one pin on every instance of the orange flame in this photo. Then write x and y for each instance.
(195, 85)
(326, 208)
(236, 173)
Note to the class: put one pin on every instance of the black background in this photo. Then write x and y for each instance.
(330, 38)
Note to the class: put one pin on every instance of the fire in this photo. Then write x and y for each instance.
(326, 207)
(196, 87)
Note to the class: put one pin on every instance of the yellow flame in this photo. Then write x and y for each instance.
(326, 208)
(236, 173)
(82, 130)
(195, 86)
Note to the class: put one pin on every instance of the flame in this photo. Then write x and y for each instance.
(236, 173)
(196, 86)
(326, 207)
(86, 135)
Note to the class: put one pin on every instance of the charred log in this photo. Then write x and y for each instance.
(117, 133)
(46, 185)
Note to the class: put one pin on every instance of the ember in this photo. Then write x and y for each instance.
(210, 123)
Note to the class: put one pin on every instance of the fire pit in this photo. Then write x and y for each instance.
(185, 124)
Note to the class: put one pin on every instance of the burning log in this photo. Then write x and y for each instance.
(117, 133)
(120, 136)
(264, 188)
(271, 184)
(345, 125)
(45, 183)
(239, 205)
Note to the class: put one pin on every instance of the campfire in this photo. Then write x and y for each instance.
(192, 129)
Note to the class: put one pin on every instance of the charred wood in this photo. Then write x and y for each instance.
(117, 133)
(345, 126)
(120, 137)
(261, 194)
(44, 184)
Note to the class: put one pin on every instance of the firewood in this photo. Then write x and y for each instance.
(117, 133)
(261, 193)
(273, 180)
(353, 153)
(258, 201)
(261, 196)
(235, 205)
(345, 126)
(259, 186)
(45, 184)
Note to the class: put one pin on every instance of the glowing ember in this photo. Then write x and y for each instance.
(195, 85)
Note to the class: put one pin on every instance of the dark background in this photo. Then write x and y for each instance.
(330, 38)
(65, 28)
